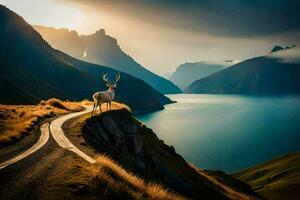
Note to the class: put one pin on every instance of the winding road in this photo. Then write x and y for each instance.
(40, 143)
(59, 136)
(55, 129)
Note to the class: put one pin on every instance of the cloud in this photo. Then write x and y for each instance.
(230, 18)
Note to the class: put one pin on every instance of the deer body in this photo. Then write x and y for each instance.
(105, 96)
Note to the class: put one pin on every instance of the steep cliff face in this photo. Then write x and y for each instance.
(137, 148)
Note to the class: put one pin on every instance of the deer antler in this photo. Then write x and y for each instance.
(104, 77)
(118, 76)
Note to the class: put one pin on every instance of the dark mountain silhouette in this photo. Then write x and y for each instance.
(187, 73)
(31, 70)
(102, 49)
(264, 75)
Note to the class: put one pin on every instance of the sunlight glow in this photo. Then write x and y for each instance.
(48, 13)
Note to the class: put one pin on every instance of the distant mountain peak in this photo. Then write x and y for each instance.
(276, 48)
(280, 48)
(101, 37)
(101, 32)
(188, 72)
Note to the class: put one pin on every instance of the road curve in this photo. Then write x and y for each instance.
(59, 136)
(40, 143)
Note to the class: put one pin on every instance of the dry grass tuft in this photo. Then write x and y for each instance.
(16, 120)
(109, 177)
(63, 105)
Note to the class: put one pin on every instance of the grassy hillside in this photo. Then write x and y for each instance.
(108, 174)
(275, 179)
(31, 70)
(16, 121)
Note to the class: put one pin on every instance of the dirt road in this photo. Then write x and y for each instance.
(53, 168)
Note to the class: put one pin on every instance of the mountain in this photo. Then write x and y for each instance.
(187, 73)
(102, 49)
(277, 179)
(32, 70)
(274, 74)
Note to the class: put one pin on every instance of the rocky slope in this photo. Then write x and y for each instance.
(187, 73)
(102, 49)
(274, 74)
(30, 70)
(136, 148)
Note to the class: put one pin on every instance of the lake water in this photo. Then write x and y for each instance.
(228, 132)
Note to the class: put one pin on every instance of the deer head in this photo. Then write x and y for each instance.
(109, 84)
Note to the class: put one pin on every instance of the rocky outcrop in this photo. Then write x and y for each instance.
(113, 129)
(137, 148)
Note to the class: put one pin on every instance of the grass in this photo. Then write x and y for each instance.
(16, 120)
(275, 179)
(108, 177)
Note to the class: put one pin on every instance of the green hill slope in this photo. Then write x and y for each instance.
(275, 179)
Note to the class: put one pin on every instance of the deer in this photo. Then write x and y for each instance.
(105, 96)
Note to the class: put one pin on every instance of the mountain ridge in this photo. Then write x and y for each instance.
(263, 75)
(100, 48)
(189, 72)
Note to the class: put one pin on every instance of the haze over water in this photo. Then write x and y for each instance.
(228, 132)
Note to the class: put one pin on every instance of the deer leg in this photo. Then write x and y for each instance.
(100, 107)
(109, 105)
(93, 109)
(96, 109)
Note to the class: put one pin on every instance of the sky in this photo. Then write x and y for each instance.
(162, 34)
